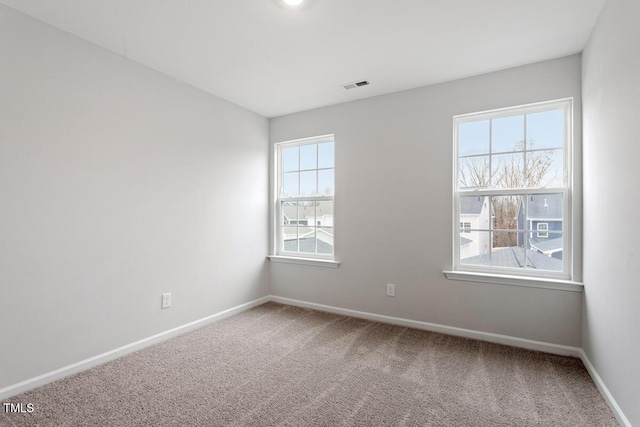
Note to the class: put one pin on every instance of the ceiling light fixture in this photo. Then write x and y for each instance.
(293, 2)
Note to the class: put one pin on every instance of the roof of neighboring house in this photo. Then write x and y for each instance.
(547, 245)
(515, 257)
(464, 241)
(545, 206)
(471, 205)
(308, 245)
(309, 237)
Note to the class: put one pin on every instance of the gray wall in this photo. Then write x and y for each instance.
(393, 207)
(611, 97)
(117, 183)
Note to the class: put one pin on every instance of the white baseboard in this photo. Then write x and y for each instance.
(434, 327)
(606, 394)
(83, 365)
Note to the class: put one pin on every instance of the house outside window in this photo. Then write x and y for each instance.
(517, 161)
(305, 188)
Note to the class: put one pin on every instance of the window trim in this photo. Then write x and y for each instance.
(278, 254)
(513, 280)
(315, 262)
(504, 274)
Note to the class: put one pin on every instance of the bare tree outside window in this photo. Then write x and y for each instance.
(513, 172)
(474, 172)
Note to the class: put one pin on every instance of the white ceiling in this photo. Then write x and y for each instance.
(274, 60)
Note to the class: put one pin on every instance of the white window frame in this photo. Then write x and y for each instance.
(542, 232)
(526, 277)
(279, 254)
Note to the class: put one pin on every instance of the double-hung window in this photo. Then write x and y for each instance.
(512, 191)
(305, 188)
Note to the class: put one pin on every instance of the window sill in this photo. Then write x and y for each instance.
(530, 282)
(305, 261)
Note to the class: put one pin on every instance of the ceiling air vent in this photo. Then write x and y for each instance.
(355, 84)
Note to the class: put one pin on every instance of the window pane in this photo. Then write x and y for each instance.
(309, 156)
(507, 134)
(290, 159)
(290, 184)
(326, 182)
(307, 239)
(508, 254)
(473, 138)
(308, 183)
(473, 172)
(324, 213)
(546, 253)
(545, 168)
(325, 240)
(290, 239)
(506, 239)
(474, 248)
(306, 213)
(545, 208)
(508, 170)
(297, 213)
(288, 213)
(506, 210)
(545, 130)
(326, 155)
(475, 211)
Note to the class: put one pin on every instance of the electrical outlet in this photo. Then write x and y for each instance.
(391, 290)
(166, 300)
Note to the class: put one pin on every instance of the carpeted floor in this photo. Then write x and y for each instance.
(282, 365)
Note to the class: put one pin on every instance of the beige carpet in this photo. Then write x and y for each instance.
(282, 365)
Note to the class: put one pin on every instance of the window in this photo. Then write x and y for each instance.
(542, 229)
(305, 187)
(518, 160)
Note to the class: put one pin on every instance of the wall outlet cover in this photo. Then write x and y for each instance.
(391, 290)
(166, 300)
